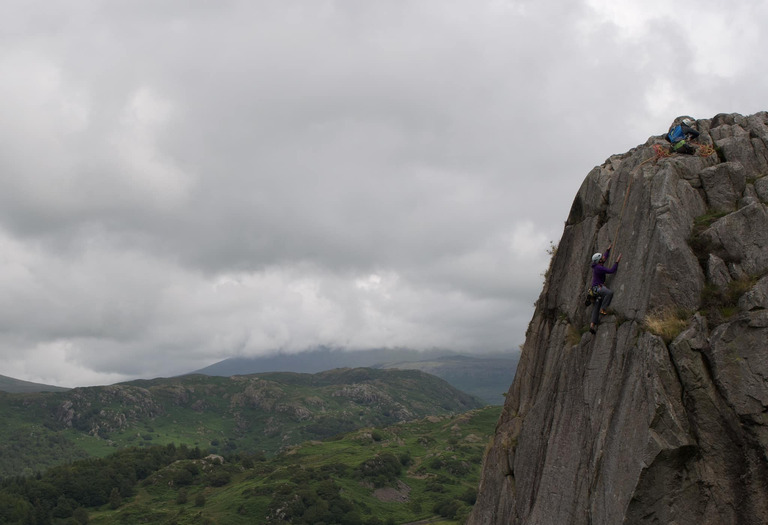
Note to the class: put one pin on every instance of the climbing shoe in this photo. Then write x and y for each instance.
(603, 312)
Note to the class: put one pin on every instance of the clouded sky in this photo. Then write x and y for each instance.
(186, 181)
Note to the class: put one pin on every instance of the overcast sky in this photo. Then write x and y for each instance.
(186, 181)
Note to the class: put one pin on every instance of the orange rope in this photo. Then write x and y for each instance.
(621, 215)
(661, 152)
(705, 150)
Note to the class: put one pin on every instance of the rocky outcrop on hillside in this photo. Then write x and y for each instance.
(245, 409)
(662, 415)
(106, 409)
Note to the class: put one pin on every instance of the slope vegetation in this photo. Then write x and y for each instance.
(424, 469)
(259, 413)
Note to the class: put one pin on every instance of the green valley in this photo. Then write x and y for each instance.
(427, 469)
(253, 414)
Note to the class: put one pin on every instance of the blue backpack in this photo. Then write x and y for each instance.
(676, 135)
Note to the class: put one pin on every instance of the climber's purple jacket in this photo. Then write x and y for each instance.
(599, 271)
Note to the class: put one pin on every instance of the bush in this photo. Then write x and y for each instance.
(448, 508)
(381, 469)
(115, 500)
(182, 478)
(219, 478)
(435, 486)
(81, 516)
(720, 304)
(469, 496)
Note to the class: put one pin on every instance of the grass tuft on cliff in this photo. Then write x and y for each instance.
(667, 322)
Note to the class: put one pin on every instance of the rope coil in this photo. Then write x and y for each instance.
(705, 150)
(661, 152)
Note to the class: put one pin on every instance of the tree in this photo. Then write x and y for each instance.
(80, 515)
(219, 478)
(14, 509)
(115, 500)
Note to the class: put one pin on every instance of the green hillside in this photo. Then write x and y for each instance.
(261, 413)
(426, 469)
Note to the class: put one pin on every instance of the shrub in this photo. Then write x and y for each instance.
(739, 287)
(381, 469)
(219, 478)
(551, 251)
(80, 516)
(447, 508)
(719, 304)
(702, 222)
(115, 500)
(183, 478)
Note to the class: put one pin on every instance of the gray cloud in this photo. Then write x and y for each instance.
(189, 181)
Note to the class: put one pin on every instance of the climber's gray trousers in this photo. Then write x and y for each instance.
(604, 297)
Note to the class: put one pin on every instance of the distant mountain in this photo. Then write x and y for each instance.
(485, 376)
(250, 413)
(16, 386)
(316, 360)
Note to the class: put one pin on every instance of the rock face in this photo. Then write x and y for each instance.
(662, 416)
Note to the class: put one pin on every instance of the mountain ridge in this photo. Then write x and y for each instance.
(486, 376)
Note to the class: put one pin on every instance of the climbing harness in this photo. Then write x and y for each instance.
(591, 295)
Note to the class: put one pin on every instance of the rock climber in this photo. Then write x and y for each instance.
(680, 134)
(603, 294)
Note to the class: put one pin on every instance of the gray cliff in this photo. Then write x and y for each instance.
(662, 416)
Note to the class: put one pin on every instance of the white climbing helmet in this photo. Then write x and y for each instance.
(596, 257)
(688, 122)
